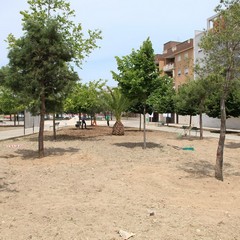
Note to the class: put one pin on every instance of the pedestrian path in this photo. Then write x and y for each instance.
(19, 131)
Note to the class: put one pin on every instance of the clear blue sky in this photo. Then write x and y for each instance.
(125, 24)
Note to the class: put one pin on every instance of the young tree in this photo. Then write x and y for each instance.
(221, 46)
(138, 76)
(85, 98)
(162, 98)
(190, 100)
(10, 103)
(50, 43)
(183, 100)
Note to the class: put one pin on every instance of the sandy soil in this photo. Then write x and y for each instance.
(91, 185)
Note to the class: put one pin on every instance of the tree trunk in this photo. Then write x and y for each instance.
(14, 119)
(201, 125)
(190, 125)
(54, 127)
(140, 122)
(144, 127)
(41, 127)
(190, 121)
(221, 141)
(79, 119)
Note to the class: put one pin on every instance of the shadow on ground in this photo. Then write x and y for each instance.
(27, 154)
(204, 169)
(138, 144)
(199, 169)
(233, 145)
(73, 134)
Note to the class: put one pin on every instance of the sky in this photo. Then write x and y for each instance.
(125, 25)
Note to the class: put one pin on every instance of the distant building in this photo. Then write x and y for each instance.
(176, 61)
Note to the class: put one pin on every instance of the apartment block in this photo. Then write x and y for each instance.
(176, 61)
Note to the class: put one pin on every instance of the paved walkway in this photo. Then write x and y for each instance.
(19, 131)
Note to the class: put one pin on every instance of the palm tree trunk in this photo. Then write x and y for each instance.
(118, 128)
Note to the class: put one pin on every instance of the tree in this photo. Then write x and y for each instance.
(138, 76)
(40, 59)
(86, 98)
(162, 98)
(184, 104)
(10, 103)
(190, 100)
(117, 103)
(139, 107)
(221, 46)
(232, 104)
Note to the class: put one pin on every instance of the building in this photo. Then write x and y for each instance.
(208, 122)
(176, 61)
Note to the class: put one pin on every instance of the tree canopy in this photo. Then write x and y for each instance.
(40, 61)
(221, 47)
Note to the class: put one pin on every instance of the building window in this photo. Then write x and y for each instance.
(179, 58)
(186, 71)
(179, 72)
(185, 55)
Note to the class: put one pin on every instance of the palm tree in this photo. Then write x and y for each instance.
(117, 103)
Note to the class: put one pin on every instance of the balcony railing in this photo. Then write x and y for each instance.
(169, 67)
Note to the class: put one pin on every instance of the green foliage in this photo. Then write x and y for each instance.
(138, 107)
(185, 103)
(10, 103)
(162, 98)
(116, 102)
(60, 10)
(138, 74)
(232, 104)
(40, 60)
(221, 47)
(86, 98)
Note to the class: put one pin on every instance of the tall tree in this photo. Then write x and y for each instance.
(50, 43)
(138, 76)
(221, 46)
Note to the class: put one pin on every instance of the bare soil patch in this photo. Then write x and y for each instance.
(91, 184)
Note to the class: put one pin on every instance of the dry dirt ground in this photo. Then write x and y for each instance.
(91, 185)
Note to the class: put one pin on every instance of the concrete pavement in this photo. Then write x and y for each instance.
(131, 122)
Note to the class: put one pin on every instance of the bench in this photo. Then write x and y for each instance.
(56, 125)
(187, 129)
(3, 122)
(161, 123)
(196, 130)
(78, 124)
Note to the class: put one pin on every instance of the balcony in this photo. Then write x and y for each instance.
(169, 67)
